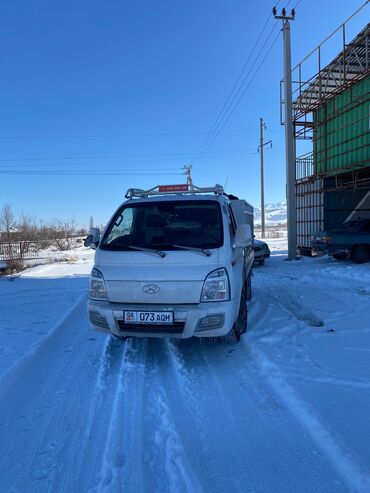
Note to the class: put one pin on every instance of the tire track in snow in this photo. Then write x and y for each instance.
(261, 317)
(289, 303)
(351, 470)
(43, 344)
(122, 464)
(37, 420)
(168, 468)
(190, 384)
(251, 441)
(87, 455)
(108, 374)
(142, 450)
(357, 479)
(268, 414)
(113, 457)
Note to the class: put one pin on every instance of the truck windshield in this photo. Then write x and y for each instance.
(165, 225)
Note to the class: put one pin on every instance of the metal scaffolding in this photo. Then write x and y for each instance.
(349, 67)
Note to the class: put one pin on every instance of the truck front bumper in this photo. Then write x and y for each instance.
(199, 320)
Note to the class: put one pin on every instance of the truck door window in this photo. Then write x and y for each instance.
(121, 225)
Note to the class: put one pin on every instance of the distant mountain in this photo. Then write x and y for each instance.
(274, 213)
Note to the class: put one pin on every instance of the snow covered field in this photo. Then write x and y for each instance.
(286, 410)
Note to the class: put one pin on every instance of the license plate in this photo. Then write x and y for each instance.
(160, 318)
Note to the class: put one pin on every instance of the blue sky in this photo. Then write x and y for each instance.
(135, 86)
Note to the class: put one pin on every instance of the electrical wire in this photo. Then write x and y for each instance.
(31, 167)
(237, 98)
(224, 107)
(112, 136)
(118, 166)
(105, 157)
(214, 132)
(225, 111)
(83, 173)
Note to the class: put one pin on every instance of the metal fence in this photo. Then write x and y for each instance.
(18, 250)
(272, 231)
(304, 166)
(310, 211)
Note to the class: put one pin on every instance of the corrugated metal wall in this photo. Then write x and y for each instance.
(310, 211)
(342, 131)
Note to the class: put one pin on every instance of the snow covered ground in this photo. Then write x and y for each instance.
(286, 410)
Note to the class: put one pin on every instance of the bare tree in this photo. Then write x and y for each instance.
(30, 231)
(7, 222)
(64, 234)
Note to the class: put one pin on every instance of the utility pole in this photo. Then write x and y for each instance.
(289, 135)
(189, 180)
(260, 149)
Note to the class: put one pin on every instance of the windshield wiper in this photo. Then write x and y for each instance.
(148, 250)
(207, 253)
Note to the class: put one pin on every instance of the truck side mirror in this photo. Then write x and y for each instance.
(89, 242)
(243, 236)
(93, 239)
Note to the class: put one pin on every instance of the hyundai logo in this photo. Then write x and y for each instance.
(151, 289)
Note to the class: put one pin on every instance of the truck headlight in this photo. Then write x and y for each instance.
(216, 286)
(97, 290)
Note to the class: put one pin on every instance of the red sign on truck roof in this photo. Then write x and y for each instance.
(174, 188)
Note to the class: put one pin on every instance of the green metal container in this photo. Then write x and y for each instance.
(342, 131)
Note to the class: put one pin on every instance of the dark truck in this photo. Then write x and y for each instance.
(351, 241)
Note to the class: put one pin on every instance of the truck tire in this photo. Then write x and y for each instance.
(240, 325)
(248, 287)
(360, 254)
(340, 256)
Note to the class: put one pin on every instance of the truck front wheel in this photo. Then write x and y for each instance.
(240, 325)
(360, 254)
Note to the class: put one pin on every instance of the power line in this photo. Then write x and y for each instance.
(35, 167)
(98, 170)
(110, 136)
(85, 173)
(226, 113)
(237, 99)
(224, 107)
(20, 166)
(62, 158)
(119, 163)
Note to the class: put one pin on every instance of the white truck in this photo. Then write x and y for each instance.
(173, 261)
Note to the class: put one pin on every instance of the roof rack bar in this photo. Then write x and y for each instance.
(173, 189)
